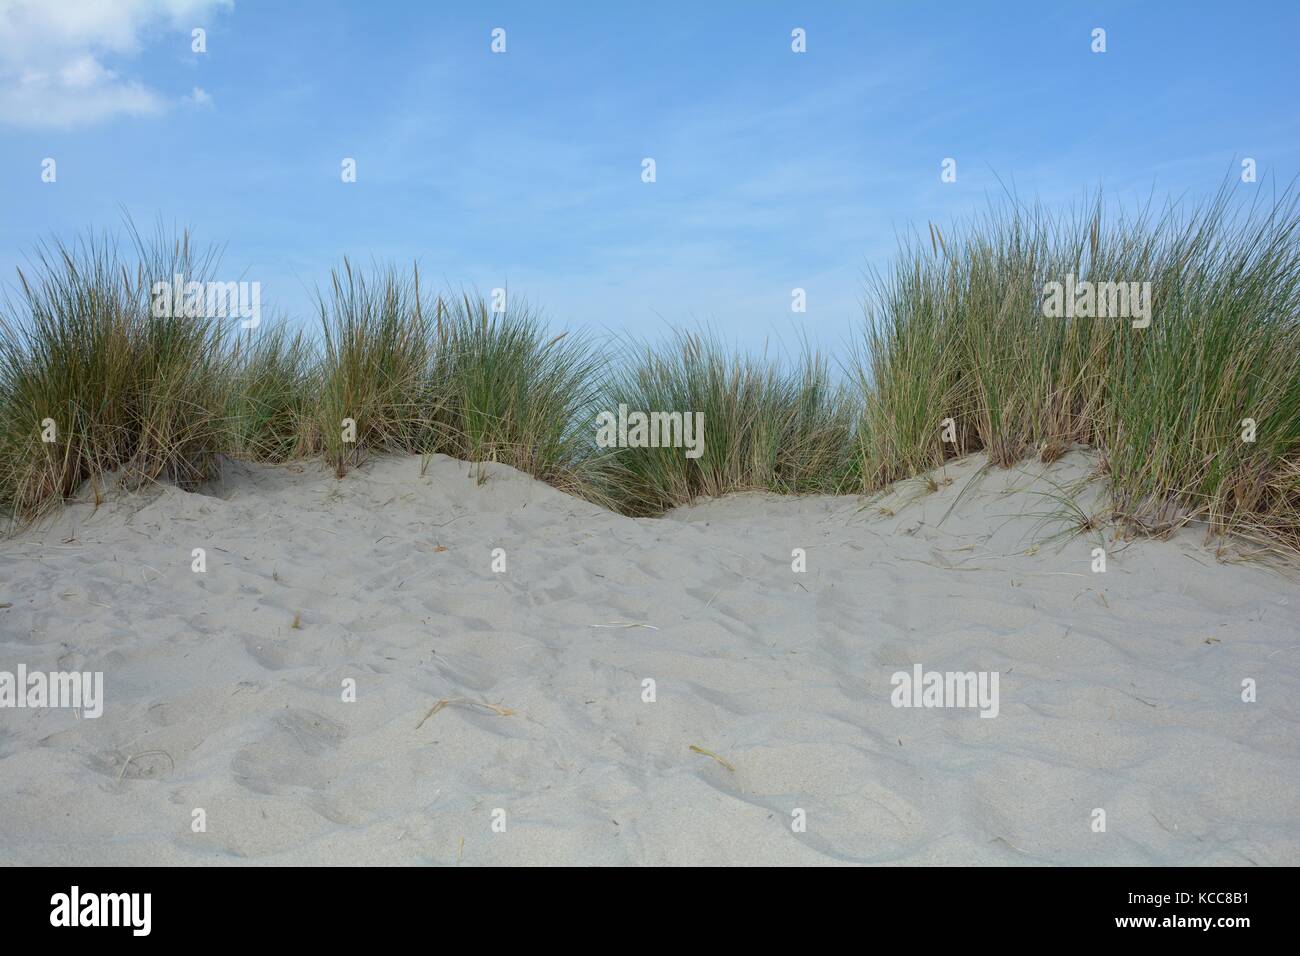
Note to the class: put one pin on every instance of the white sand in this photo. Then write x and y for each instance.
(1119, 691)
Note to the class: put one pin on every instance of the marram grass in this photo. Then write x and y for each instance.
(766, 425)
(1194, 416)
(91, 382)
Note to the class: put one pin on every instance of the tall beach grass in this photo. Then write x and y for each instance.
(448, 374)
(91, 382)
(1195, 416)
(782, 427)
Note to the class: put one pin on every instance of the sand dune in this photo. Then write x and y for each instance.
(1119, 690)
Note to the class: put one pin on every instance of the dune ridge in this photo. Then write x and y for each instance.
(1119, 690)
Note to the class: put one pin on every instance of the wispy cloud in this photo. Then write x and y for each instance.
(53, 57)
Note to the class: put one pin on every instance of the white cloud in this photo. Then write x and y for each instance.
(52, 55)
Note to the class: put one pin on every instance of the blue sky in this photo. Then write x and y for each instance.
(775, 170)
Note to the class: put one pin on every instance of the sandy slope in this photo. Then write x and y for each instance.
(1118, 690)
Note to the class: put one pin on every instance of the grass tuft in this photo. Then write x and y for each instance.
(766, 427)
(957, 332)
